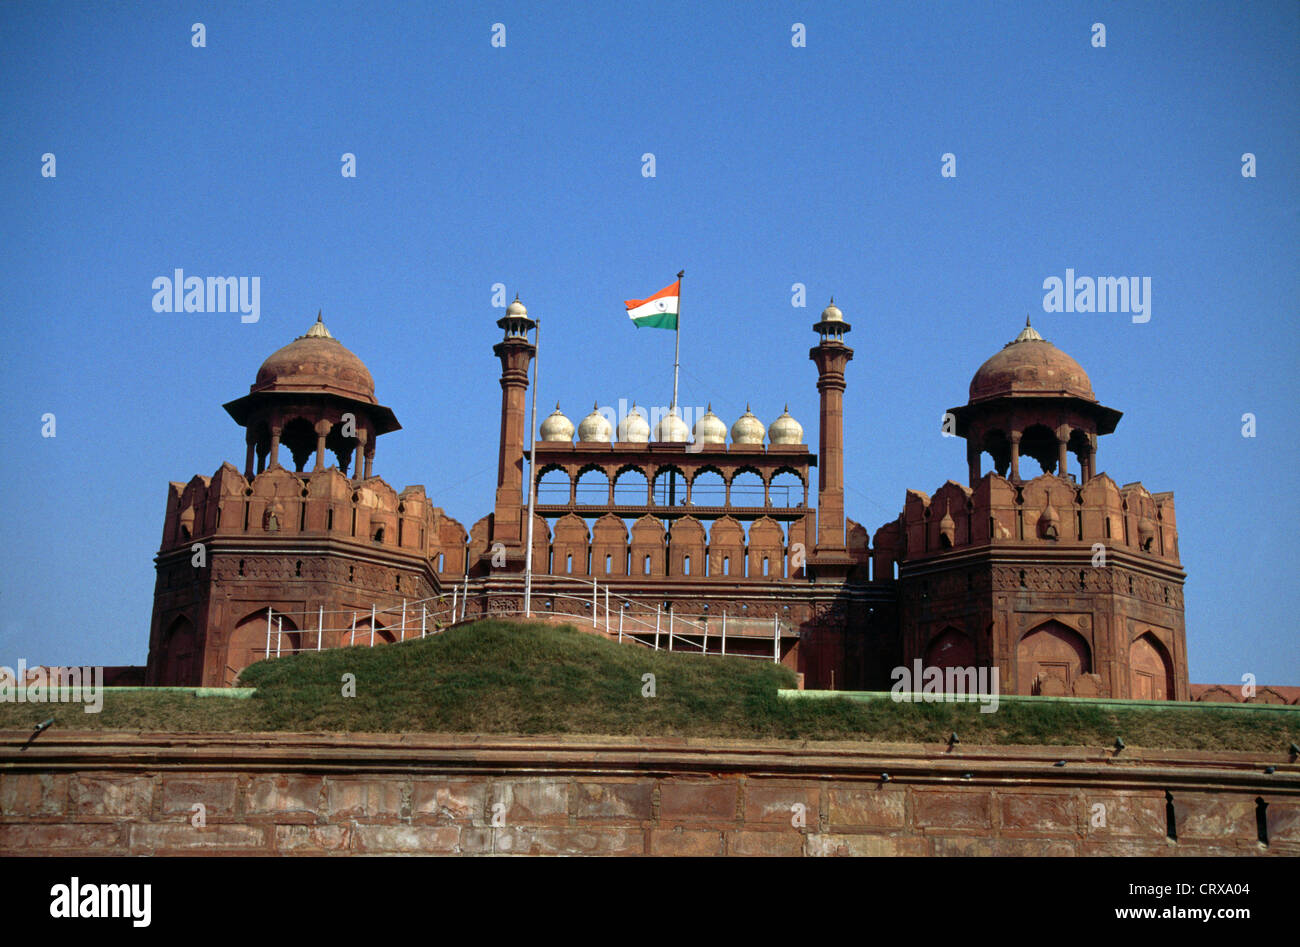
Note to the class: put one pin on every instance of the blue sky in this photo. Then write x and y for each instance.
(521, 165)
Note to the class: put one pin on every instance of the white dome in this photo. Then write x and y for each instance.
(595, 427)
(671, 429)
(634, 428)
(516, 308)
(710, 429)
(832, 313)
(556, 427)
(785, 429)
(747, 429)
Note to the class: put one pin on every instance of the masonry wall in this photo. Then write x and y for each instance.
(301, 794)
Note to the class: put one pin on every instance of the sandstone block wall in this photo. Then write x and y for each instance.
(370, 794)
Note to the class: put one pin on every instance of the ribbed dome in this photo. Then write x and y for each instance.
(671, 429)
(1030, 365)
(595, 428)
(747, 429)
(710, 429)
(634, 428)
(785, 429)
(556, 427)
(316, 362)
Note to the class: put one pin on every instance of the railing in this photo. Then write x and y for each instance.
(640, 623)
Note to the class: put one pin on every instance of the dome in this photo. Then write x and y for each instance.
(516, 308)
(316, 362)
(671, 429)
(747, 429)
(1030, 365)
(785, 429)
(594, 428)
(634, 428)
(556, 427)
(710, 429)
(832, 313)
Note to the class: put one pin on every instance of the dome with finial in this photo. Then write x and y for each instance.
(785, 429)
(832, 313)
(747, 429)
(634, 428)
(316, 362)
(516, 308)
(710, 429)
(671, 429)
(595, 427)
(556, 427)
(1029, 365)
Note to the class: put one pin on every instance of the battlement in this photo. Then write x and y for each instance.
(321, 504)
(1043, 512)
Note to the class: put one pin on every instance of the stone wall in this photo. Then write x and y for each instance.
(124, 793)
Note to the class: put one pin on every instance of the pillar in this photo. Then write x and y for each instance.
(248, 458)
(275, 446)
(322, 430)
(370, 459)
(1014, 437)
(973, 462)
(1061, 452)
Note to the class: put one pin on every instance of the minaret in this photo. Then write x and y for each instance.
(831, 557)
(515, 352)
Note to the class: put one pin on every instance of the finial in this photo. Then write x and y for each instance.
(832, 300)
(557, 406)
(709, 409)
(747, 411)
(595, 406)
(318, 312)
(786, 409)
(1026, 320)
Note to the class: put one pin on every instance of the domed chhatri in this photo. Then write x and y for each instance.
(634, 428)
(747, 429)
(595, 428)
(556, 427)
(785, 430)
(710, 429)
(1029, 365)
(671, 429)
(316, 362)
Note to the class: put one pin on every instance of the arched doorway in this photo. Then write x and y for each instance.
(951, 649)
(1150, 671)
(180, 645)
(248, 641)
(1050, 659)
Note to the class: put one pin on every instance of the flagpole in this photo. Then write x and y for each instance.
(677, 345)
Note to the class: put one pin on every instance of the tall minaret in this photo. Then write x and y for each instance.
(831, 557)
(516, 351)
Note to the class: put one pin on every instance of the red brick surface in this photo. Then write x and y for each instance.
(477, 795)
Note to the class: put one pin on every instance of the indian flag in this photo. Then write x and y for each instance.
(657, 312)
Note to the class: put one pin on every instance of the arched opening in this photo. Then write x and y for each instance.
(299, 437)
(1050, 659)
(746, 488)
(248, 642)
(593, 487)
(553, 486)
(996, 444)
(1151, 675)
(343, 448)
(950, 649)
(1038, 442)
(362, 638)
(787, 489)
(670, 487)
(708, 488)
(180, 645)
(631, 487)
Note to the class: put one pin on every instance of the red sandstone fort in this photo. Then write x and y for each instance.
(1068, 582)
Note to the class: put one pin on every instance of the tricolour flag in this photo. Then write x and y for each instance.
(657, 312)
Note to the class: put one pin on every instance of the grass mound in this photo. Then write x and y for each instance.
(505, 677)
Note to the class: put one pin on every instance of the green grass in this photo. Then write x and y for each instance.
(497, 677)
